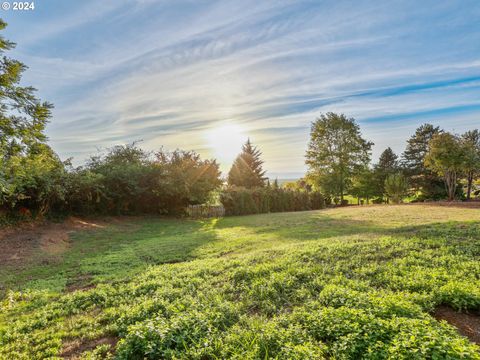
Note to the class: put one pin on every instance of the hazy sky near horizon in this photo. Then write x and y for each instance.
(171, 72)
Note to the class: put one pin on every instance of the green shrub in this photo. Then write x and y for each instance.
(128, 180)
(242, 201)
(396, 187)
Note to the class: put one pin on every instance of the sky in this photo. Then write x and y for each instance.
(206, 75)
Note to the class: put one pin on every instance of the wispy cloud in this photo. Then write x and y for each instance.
(165, 72)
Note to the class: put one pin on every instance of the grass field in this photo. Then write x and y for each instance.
(346, 283)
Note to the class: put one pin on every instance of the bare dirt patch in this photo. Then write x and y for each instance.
(82, 283)
(74, 349)
(467, 324)
(18, 244)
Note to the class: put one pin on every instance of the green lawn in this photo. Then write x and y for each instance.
(345, 283)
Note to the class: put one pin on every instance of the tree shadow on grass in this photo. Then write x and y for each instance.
(467, 205)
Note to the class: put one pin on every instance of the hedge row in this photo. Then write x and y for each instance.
(241, 201)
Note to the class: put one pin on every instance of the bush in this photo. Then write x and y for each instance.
(396, 187)
(33, 182)
(242, 201)
(128, 180)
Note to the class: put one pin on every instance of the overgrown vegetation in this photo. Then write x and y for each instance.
(129, 180)
(347, 283)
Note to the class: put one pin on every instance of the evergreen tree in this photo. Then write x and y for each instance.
(420, 177)
(247, 168)
(336, 152)
(387, 165)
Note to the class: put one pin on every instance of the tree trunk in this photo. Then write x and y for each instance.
(451, 184)
(469, 184)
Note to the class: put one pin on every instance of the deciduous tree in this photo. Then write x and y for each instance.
(29, 168)
(364, 185)
(336, 151)
(471, 143)
(446, 157)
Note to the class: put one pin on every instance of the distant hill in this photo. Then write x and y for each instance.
(285, 177)
(281, 182)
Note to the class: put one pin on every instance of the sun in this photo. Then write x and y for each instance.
(226, 141)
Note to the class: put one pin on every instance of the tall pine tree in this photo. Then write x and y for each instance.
(247, 168)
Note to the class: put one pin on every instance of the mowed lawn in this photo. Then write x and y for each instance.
(345, 283)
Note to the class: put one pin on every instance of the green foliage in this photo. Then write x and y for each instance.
(446, 157)
(471, 144)
(29, 169)
(396, 187)
(242, 201)
(299, 185)
(364, 185)
(129, 180)
(247, 168)
(337, 284)
(336, 152)
(422, 178)
(387, 165)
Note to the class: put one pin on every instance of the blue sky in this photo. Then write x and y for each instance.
(171, 72)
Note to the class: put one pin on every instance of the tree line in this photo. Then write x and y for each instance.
(434, 165)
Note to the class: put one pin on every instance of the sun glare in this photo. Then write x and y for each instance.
(226, 141)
